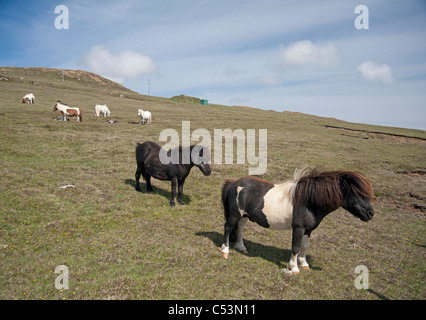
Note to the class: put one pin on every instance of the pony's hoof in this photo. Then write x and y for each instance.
(245, 252)
(225, 255)
(290, 272)
(172, 205)
(305, 267)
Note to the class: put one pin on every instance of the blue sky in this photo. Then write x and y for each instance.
(304, 56)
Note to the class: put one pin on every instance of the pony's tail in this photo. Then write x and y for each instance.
(81, 115)
(226, 207)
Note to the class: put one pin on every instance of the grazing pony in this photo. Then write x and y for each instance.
(28, 98)
(149, 161)
(299, 204)
(145, 116)
(67, 111)
(102, 109)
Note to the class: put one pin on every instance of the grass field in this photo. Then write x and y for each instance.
(121, 244)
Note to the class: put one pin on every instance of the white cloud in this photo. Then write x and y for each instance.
(377, 73)
(127, 64)
(305, 53)
(233, 73)
(268, 80)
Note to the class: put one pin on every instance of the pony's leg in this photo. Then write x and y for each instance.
(296, 244)
(173, 192)
(180, 191)
(302, 255)
(137, 177)
(229, 226)
(147, 178)
(293, 269)
(240, 244)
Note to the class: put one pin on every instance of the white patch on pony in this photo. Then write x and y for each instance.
(278, 206)
(292, 265)
(242, 212)
(225, 249)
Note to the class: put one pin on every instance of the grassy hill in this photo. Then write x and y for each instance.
(121, 244)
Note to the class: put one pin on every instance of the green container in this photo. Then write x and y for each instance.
(204, 102)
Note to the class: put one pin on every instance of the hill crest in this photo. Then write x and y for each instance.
(57, 77)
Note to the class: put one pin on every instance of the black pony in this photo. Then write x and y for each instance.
(149, 161)
(299, 204)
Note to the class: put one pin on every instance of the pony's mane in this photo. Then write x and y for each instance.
(325, 189)
(206, 151)
(62, 103)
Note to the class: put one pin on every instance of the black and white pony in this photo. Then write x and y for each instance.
(148, 160)
(299, 204)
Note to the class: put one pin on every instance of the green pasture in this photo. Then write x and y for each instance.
(121, 244)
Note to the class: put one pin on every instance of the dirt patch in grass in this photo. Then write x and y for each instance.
(388, 137)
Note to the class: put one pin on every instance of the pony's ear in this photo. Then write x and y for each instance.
(199, 155)
(205, 154)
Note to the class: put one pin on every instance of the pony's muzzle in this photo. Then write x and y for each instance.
(205, 169)
(369, 214)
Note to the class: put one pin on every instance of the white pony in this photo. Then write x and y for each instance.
(28, 98)
(145, 116)
(102, 109)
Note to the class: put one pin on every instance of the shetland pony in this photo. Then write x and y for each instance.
(148, 155)
(102, 109)
(145, 116)
(299, 204)
(68, 111)
(28, 98)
